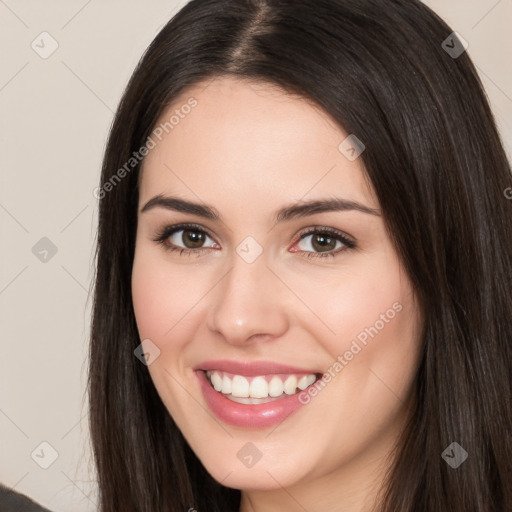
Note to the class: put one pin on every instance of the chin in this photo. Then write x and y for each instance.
(262, 479)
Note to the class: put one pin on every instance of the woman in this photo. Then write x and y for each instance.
(304, 278)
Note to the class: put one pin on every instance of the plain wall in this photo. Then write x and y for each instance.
(55, 117)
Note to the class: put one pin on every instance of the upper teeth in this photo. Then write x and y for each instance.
(258, 387)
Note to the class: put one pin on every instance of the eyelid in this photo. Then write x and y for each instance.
(325, 229)
(164, 233)
(169, 230)
(346, 241)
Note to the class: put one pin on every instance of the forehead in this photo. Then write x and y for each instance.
(249, 143)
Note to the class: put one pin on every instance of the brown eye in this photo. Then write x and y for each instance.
(192, 238)
(186, 239)
(321, 242)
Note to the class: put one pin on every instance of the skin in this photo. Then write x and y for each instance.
(248, 149)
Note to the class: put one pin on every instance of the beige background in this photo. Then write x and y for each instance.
(55, 116)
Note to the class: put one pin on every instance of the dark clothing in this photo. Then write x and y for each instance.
(12, 501)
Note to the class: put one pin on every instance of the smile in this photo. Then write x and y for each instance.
(253, 395)
(259, 389)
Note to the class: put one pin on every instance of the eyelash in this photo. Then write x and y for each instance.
(166, 232)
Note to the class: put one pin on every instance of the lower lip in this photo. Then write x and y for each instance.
(247, 415)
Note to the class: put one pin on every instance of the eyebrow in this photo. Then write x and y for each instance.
(290, 212)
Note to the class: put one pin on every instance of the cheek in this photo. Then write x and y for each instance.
(354, 304)
(163, 297)
(370, 326)
(163, 301)
(150, 296)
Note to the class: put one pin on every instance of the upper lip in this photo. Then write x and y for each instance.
(252, 369)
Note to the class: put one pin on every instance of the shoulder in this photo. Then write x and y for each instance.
(12, 501)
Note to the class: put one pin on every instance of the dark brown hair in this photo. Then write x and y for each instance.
(437, 165)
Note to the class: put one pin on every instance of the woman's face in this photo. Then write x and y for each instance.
(266, 302)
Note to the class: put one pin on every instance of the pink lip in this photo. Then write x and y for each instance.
(252, 369)
(247, 415)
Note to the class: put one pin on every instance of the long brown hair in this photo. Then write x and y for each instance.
(384, 72)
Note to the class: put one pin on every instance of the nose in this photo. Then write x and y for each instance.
(248, 304)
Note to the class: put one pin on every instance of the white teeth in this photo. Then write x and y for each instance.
(275, 387)
(240, 386)
(290, 385)
(216, 381)
(305, 381)
(259, 388)
(242, 390)
(226, 385)
(250, 401)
